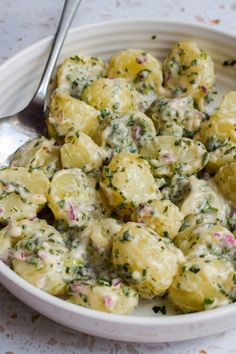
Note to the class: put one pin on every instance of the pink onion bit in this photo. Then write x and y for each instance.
(217, 234)
(71, 212)
(140, 221)
(79, 288)
(168, 158)
(32, 218)
(141, 59)
(76, 287)
(230, 239)
(43, 255)
(168, 77)
(136, 132)
(204, 89)
(116, 282)
(108, 302)
(20, 254)
(41, 282)
(1, 211)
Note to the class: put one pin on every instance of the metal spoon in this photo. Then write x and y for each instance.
(29, 123)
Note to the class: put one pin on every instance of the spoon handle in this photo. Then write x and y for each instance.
(68, 12)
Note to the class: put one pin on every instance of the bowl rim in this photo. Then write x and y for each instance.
(147, 321)
(140, 321)
(142, 20)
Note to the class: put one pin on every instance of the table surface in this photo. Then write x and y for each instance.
(23, 22)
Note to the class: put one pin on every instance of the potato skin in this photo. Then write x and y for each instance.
(124, 192)
(145, 260)
(162, 216)
(117, 95)
(203, 284)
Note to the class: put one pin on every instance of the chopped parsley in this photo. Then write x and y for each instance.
(126, 236)
(161, 309)
(229, 62)
(194, 269)
(208, 301)
(61, 204)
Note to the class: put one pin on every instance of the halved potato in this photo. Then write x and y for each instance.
(68, 115)
(22, 193)
(73, 197)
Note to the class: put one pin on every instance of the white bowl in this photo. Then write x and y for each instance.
(19, 78)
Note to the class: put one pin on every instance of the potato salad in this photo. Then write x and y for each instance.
(131, 197)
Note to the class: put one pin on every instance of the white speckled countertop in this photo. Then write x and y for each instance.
(23, 22)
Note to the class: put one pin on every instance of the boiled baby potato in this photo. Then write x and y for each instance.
(125, 133)
(177, 189)
(142, 69)
(221, 127)
(68, 115)
(223, 155)
(189, 71)
(77, 72)
(39, 256)
(99, 235)
(73, 197)
(204, 204)
(162, 216)
(145, 260)
(126, 182)
(138, 66)
(226, 181)
(81, 151)
(203, 284)
(117, 95)
(175, 116)
(23, 193)
(103, 296)
(9, 236)
(169, 155)
(206, 239)
(39, 153)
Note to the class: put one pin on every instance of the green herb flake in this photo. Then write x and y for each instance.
(61, 204)
(161, 309)
(208, 301)
(194, 269)
(229, 62)
(126, 236)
